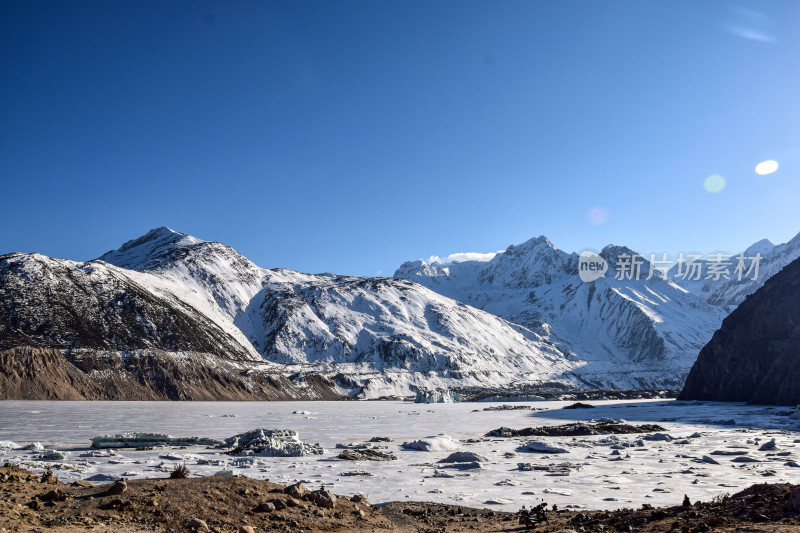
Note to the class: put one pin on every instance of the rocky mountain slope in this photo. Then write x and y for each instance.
(71, 330)
(754, 356)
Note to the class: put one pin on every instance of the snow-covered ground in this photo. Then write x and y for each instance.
(605, 472)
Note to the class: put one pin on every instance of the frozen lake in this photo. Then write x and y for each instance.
(606, 472)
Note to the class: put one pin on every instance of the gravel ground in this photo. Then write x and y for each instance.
(30, 502)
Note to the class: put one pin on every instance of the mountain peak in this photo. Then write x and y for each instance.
(762, 247)
(146, 251)
(532, 244)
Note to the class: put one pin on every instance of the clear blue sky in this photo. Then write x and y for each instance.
(351, 136)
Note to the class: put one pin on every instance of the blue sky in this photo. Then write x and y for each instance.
(351, 136)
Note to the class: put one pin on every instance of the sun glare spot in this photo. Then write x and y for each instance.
(766, 167)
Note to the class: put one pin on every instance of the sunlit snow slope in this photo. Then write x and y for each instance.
(630, 333)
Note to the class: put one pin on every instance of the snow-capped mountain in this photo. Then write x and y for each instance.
(177, 294)
(382, 335)
(72, 330)
(627, 332)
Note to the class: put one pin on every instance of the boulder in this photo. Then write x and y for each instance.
(323, 498)
(464, 457)
(794, 502)
(118, 487)
(297, 491)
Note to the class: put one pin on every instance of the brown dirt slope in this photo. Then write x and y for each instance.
(47, 374)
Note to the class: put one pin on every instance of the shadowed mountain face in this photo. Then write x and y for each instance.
(92, 331)
(51, 303)
(754, 356)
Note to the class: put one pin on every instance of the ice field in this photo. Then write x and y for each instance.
(596, 472)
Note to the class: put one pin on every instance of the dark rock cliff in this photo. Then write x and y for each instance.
(754, 356)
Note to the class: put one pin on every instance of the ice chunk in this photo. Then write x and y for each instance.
(498, 501)
(52, 455)
(9, 445)
(271, 443)
(439, 443)
(141, 440)
(437, 396)
(659, 436)
(560, 492)
(542, 447)
(97, 453)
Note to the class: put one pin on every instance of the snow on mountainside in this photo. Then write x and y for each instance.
(629, 332)
(210, 276)
(390, 333)
(730, 293)
(398, 328)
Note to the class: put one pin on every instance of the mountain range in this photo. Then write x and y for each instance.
(634, 333)
(168, 315)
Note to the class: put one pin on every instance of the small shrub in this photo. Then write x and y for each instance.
(179, 472)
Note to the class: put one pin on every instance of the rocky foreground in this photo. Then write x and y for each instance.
(29, 502)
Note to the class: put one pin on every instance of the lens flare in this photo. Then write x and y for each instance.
(597, 216)
(714, 183)
(766, 167)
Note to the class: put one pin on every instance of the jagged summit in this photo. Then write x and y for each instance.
(532, 243)
(149, 250)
